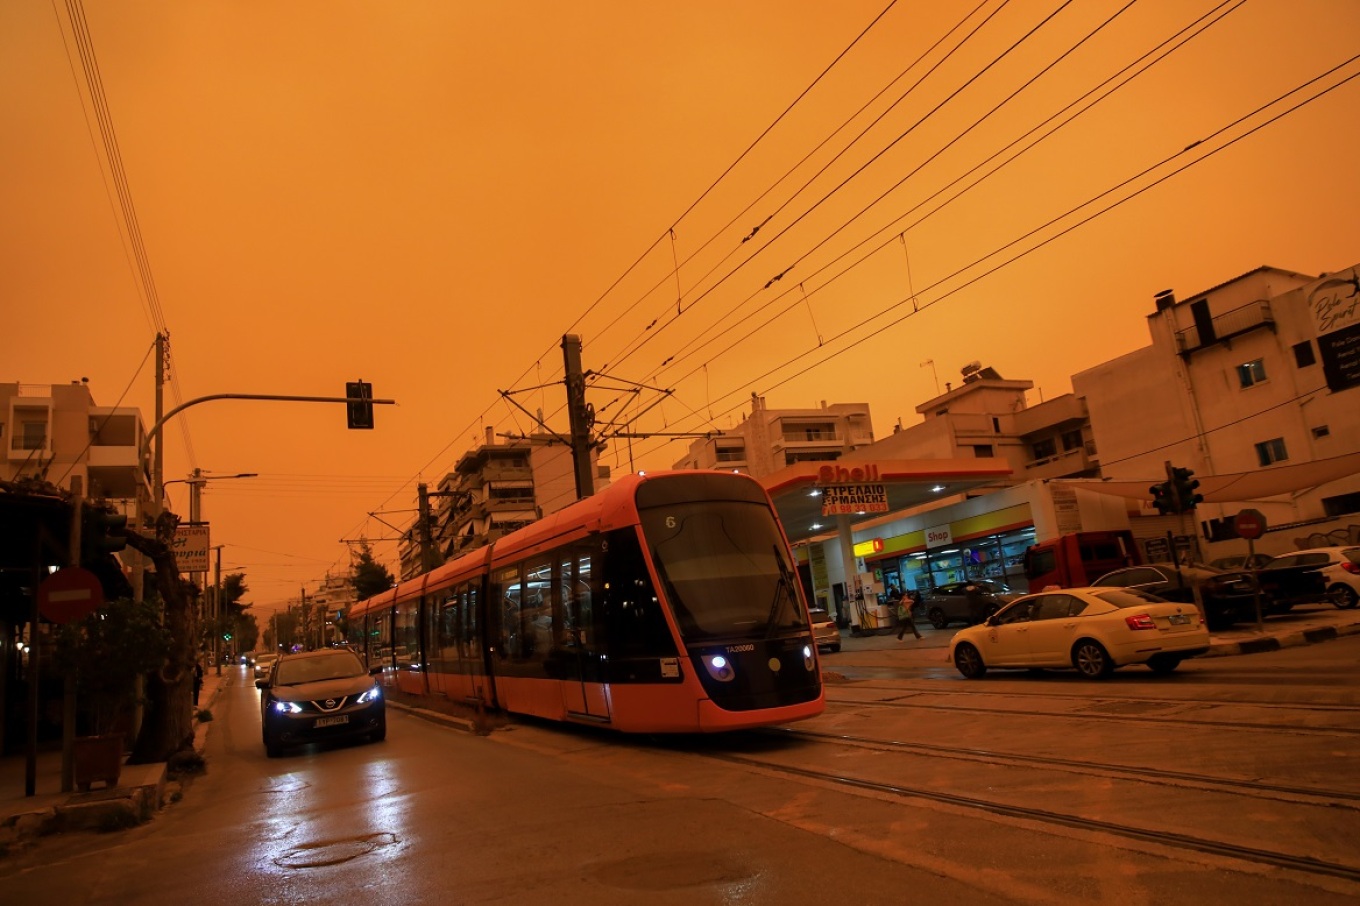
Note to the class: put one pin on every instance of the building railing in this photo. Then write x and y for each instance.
(1231, 323)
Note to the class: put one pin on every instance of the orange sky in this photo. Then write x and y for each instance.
(428, 195)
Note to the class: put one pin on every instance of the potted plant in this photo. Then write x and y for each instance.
(103, 655)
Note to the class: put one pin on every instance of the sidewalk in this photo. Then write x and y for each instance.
(140, 792)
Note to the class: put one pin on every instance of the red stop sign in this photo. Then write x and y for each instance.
(70, 594)
(1250, 524)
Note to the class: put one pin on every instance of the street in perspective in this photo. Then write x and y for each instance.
(749, 454)
(1228, 781)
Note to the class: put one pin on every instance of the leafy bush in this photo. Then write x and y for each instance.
(106, 652)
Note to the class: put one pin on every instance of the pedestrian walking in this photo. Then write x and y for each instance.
(198, 680)
(906, 615)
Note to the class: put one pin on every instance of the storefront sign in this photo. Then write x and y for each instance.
(869, 548)
(844, 499)
(191, 547)
(846, 475)
(939, 536)
(1335, 307)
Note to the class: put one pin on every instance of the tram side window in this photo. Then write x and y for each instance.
(576, 629)
(538, 611)
(633, 620)
(507, 584)
(406, 634)
(446, 636)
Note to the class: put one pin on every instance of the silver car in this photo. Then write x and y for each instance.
(955, 603)
(825, 630)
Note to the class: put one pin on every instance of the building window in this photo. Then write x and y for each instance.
(1071, 440)
(1321, 431)
(1341, 506)
(1044, 448)
(1251, 373)
(731, 454)
(1271, 451)
(32, 436)
(996, 425)
(983, 451)
(1304, 355)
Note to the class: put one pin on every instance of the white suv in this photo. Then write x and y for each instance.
(1340, 567)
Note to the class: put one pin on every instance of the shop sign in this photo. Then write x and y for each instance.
(869, 548)
(939, 536)
(1335, 307)
(191, 545)
(844, 475)
(846, 499)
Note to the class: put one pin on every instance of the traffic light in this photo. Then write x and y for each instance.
(1162, 498)
(360, 414)
(1183, 485)
(226, 636)
(103, 531)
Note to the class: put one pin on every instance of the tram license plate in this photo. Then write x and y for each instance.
(332, 721)
(1179, 619)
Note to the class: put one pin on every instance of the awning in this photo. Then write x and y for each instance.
(1237, 487)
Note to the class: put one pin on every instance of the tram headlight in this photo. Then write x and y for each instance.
(719, 668)
(809, 661)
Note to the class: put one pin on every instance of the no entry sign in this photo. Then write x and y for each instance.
(70, 594)
(1250, 524)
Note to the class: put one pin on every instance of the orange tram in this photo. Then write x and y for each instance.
(667, 603)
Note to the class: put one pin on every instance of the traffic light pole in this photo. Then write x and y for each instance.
(155, 430)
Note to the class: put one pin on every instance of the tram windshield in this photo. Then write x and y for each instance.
(724, 568)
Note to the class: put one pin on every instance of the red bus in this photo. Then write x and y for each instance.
(665, 603)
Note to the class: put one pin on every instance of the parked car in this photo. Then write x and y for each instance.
(1340, 569)
(1092, 630)
(262, 664)
(953, 603)
(824, 629)
(320, 695)
(1285, 582)
(1231, 564)
(1229, 597)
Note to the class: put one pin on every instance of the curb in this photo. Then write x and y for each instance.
(1286, 640)
(437, 717)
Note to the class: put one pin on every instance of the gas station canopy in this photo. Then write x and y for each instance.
(888, 486)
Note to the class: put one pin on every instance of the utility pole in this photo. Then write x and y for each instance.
(579, 415)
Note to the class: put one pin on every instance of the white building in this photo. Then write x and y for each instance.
(1252, 384)
(767, 440)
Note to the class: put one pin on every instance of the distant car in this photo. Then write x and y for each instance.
(1091, 630)
(262, 664)
(824, 629)
(1229, 597)
(1340, 568)
(953, 603)
(320, 695)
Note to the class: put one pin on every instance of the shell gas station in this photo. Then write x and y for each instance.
(920, 523)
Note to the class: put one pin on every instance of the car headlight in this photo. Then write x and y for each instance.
(287, 707)
(371, 695)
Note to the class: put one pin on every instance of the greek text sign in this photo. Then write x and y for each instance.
(842, 499)
(191, 547)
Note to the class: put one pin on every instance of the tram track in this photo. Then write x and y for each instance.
(1275, 858)
(1029, 693)
(1198, 721)
(1255, 789)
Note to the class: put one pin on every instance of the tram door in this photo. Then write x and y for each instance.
(585, 694)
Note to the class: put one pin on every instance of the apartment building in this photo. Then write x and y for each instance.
(57, 433)
(494, 489)
(1256, 382)
(768, 440)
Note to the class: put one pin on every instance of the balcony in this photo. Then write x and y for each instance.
(1226, 326)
